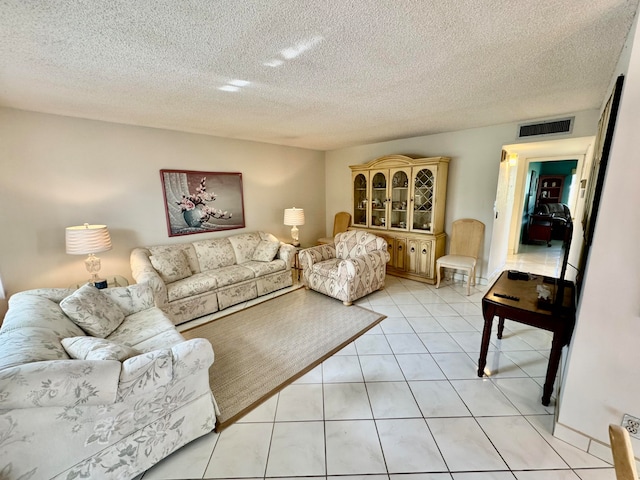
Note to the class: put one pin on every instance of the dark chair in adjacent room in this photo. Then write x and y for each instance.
(548, 223)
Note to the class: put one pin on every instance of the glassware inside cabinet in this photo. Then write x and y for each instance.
(378, 200)
(399, 200)
(423, 199)
(360, 200)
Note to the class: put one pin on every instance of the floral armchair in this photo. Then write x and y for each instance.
(350, 268)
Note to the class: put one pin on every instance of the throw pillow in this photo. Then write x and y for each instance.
(265, 251)
(92, 348)
(92, 311)
(172, 266)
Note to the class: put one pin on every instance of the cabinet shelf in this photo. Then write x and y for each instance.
(550, 189)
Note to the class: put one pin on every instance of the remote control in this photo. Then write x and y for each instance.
(508, 297)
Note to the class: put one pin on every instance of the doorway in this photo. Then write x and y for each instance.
(512, 210)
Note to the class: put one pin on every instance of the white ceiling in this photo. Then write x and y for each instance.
(323, 74)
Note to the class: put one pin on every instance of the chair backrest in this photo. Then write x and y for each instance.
(353, 243)
(341, 222)
(466, 237)
(623, 460)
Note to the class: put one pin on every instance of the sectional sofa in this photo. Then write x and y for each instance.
(97, 384)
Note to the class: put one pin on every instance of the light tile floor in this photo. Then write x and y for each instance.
(403, 402)
(538, 258)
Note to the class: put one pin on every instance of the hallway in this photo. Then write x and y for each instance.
(539, 259)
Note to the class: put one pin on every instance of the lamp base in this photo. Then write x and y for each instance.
(93, 267)
(294, 236)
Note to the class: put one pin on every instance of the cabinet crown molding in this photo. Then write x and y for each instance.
(389, 161)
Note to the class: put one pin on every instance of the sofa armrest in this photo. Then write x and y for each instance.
(191, 356)
(143, 272)
(149, 371)
(59, 383)
(316, 254)
(145, 372)
(286, 252)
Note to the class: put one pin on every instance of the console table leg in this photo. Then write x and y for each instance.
(500, 327)
(487, 312)
(552, 368)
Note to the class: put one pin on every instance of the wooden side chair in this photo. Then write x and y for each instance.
(341, 223)
(466, 237)
(624, 462)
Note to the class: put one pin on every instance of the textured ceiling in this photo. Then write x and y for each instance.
(322, 74)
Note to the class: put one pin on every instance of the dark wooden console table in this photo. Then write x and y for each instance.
(554, 316)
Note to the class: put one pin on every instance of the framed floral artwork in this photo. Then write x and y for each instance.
(199, 202)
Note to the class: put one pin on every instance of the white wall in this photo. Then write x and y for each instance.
(59, 171)
(602, 372)
(473, 171)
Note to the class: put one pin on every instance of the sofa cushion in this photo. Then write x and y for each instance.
(186, 248)
(92, 311)
(29, 344)
(264, 268)
(193, 285)
(214, 253)
(231, 275)
(355, 243)
(28, 310)
(171, 266)
(92, 348)
(265, 251)
(327, 268)
(168, 338)
(141, 326)
(131, 299)
(244, 245)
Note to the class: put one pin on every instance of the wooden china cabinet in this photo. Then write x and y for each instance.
(402, 199)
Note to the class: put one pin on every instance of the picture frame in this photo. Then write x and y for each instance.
(201, 202)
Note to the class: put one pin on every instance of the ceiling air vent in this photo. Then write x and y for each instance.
(553, 127)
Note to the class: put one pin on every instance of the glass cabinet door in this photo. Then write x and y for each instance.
(360, 200)
(423, 184)
(378, 201)
(399, 199)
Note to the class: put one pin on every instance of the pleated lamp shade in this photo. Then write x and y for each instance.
(86, 239)
(294, 216)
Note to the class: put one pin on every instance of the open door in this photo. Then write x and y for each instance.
(502, 212)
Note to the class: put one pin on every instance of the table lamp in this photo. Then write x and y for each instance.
(294, 217)
(89, 239)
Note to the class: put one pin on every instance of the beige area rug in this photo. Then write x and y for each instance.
(263, 348)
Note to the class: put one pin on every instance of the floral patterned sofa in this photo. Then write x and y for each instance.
(194, 279)
(350, 268)
(97, 384)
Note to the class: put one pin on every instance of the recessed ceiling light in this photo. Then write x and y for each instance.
(229, 88)
(276, 62)
(239, 83)
(293, 52)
